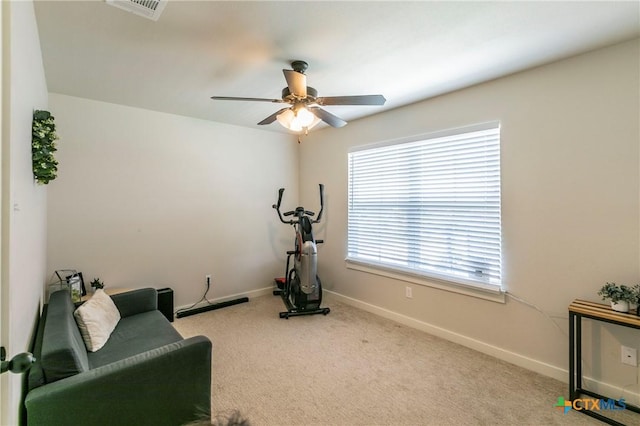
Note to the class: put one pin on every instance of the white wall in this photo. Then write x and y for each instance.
(570, 208)
(152, 199)
(24, 202)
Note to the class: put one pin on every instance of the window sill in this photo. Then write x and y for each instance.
(493, 295)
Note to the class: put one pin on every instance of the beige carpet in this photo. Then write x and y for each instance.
(355, 368)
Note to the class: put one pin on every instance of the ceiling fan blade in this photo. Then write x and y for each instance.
(327, 117)
(297, 83)
(232, 98)
(352, 100)
(270, 119)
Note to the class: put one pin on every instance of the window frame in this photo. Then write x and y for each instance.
(485, 290)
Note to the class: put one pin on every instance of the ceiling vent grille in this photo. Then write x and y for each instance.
(150, 9)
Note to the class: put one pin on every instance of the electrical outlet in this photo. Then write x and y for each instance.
(629, 356)
(408, 292)
(207, 279)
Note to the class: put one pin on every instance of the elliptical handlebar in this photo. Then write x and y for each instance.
(298, 210)
(321, 203)
(277, 207)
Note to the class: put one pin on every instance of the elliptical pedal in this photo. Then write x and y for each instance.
(279, 288)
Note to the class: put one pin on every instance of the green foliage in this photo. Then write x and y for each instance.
(635, 291)
(617, 293)
(96, 283)
(43, 145)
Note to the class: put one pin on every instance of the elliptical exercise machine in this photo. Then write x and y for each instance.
(300, 288)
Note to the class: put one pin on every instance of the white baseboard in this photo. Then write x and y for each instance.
(500, 353)
(629, 393)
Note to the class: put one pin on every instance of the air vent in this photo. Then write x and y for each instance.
(150, 9)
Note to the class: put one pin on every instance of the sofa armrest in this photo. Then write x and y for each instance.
(136, 301)
(170, 385)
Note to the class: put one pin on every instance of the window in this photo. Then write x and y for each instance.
(429, 206)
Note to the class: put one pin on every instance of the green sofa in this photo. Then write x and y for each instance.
(146, 374)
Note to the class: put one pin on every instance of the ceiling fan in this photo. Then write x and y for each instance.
(305, 109)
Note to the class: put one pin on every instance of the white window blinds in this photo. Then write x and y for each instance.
(429, 207)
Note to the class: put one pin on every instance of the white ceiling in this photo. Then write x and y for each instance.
(407, 51)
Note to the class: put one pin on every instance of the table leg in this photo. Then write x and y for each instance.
(572, 346)
(578, 352)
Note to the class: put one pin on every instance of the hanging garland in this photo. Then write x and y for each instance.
(43, 145)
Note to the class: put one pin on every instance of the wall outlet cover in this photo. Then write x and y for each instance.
(629, 356)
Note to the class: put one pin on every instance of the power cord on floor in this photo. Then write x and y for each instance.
(203, 298)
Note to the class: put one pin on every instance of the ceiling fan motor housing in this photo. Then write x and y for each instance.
(312, 94)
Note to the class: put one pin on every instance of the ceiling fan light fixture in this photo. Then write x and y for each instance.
(297, 119)
(285, 118)
(306, 118)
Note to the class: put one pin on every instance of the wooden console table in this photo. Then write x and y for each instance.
(598, 312)
(110, 291)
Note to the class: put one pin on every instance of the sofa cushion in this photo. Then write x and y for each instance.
(96, 319)
(63, 350)
(136, 301)
(133, 335)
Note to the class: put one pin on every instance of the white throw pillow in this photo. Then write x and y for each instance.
(96, 319)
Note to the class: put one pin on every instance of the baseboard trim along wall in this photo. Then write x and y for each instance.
(615, 392)
(511, 357)
(508, 356)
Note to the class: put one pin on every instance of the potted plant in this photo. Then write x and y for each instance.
(635, 299)
(96, 284)
(627, 295)
(619, 296)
